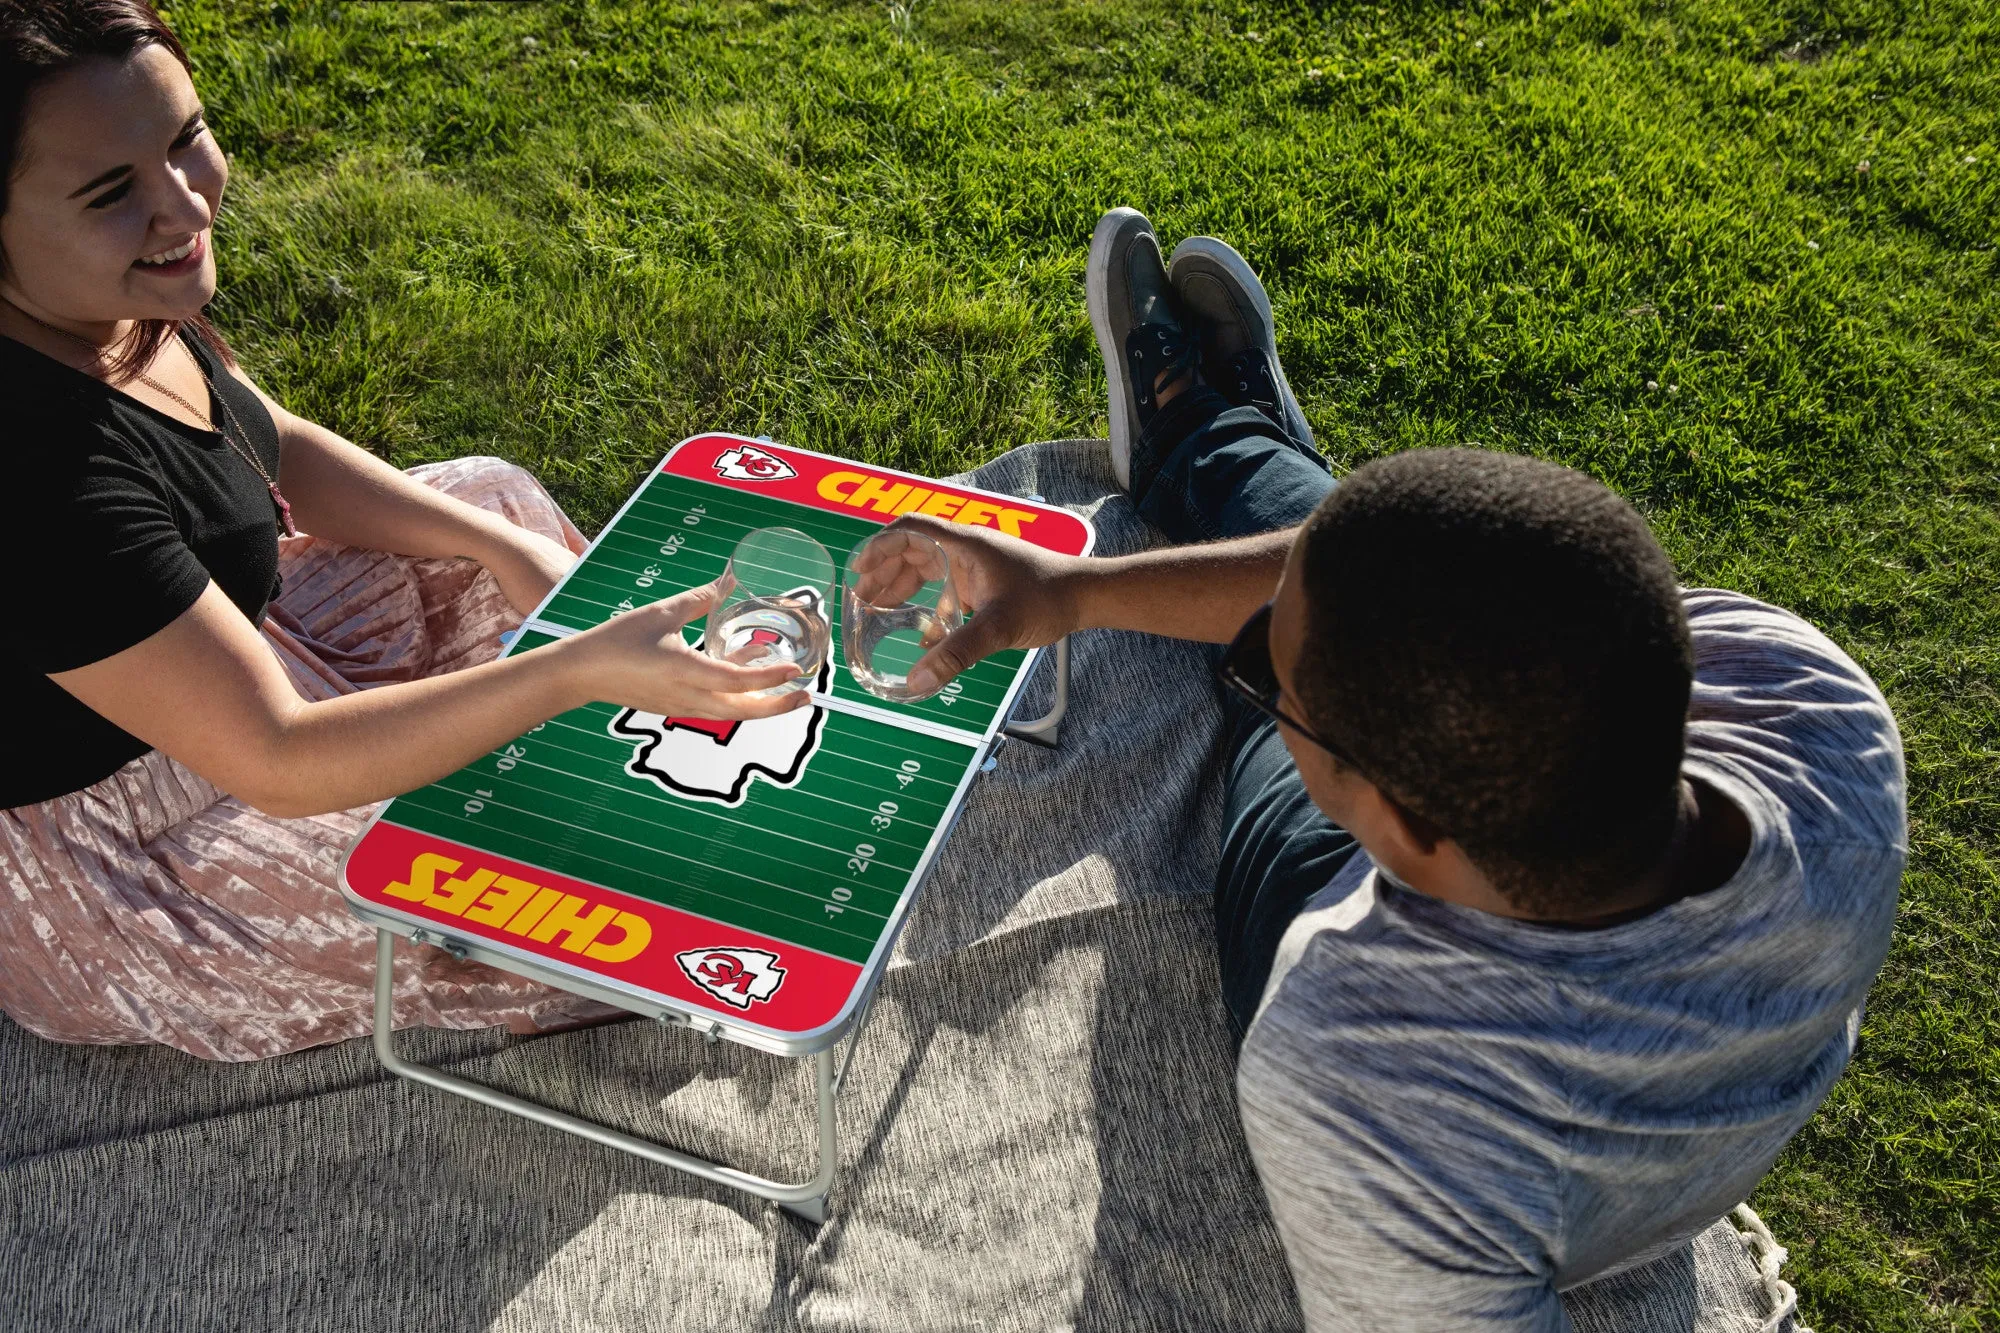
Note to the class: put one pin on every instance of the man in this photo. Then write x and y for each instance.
(1549, 892)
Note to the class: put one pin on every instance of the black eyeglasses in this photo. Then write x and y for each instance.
(1246, 671)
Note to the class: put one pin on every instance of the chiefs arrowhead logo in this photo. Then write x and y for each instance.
(705, 760)
(746, 462)
(734, 976)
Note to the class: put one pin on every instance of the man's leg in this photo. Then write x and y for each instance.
(1278, 850)
(1203, 471)
(1203, 466)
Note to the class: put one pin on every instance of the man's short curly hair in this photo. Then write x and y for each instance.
(1500, 644)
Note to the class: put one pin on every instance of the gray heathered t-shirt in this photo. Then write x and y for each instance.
(1457, 1115)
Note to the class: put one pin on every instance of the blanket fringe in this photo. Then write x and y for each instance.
(1769, 1256)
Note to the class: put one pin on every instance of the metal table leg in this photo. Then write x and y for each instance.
(1046, 730)
(808, 1200)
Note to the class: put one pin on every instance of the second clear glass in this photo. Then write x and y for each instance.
(897, 603)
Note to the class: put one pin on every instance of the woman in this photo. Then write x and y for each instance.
(201, 704)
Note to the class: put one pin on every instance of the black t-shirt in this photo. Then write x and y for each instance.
(115, 518)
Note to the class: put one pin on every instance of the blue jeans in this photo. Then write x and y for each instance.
(1203, 471)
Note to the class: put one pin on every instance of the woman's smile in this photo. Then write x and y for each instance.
(176, 260)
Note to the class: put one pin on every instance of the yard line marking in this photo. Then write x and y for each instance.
(712, 814)
(831, 702)
(652, 794)
(600, 733)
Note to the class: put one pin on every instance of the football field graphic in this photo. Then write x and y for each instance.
(751, 873)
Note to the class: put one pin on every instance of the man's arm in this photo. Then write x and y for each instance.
(1203, 593)
(1026, 597)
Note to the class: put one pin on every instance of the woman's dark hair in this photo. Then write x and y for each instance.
(1500, 644)
(42, 38)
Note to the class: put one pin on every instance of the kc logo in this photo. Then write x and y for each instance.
(746, 462)
(734, 976)
(706, 760)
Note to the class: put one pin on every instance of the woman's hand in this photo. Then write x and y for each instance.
(639, 660)
(526, 565)
(1025, 597)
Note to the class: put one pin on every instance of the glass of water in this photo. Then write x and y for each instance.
(774, 605)
(897, 603)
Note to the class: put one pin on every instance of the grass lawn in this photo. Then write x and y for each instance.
(1737, 259)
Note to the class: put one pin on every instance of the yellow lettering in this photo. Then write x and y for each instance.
(830, 484)
(455, 895)
(975, 511)
(638, 934)
(501, 901)
(423, 877)
(523, 920)
(1012, 519)
(562, 919)
(896, 498)
(884, 498)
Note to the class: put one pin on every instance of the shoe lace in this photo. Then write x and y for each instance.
(1157, 357)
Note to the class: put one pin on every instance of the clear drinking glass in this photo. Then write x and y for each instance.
(897, 603)
(774, 605)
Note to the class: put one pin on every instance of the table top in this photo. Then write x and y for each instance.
(748, 877)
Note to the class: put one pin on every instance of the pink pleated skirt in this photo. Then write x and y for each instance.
(152, 907)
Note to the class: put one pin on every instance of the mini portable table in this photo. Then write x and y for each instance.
(743, 879)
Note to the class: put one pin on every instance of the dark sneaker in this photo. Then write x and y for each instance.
(1132, 311)
(1239, 346)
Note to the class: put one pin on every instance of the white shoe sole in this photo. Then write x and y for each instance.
(1097, 292)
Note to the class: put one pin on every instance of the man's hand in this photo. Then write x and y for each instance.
(1026, 597)
(1023, 596)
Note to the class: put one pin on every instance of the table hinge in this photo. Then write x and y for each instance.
(431, 937)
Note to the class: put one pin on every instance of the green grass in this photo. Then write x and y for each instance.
(862, 228)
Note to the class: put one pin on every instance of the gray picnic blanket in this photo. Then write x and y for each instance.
(1039, 1131)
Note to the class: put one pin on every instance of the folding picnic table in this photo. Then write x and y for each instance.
(746, 880)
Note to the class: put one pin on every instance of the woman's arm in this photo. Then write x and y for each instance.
(208, 691)
(345, 494)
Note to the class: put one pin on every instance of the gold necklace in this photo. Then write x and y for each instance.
(208, 422)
